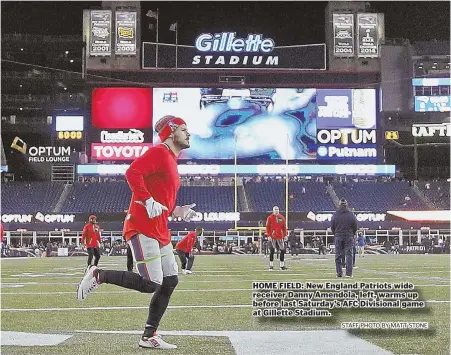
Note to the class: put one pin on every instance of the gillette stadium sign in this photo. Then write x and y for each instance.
(225, 48)
(229, 50)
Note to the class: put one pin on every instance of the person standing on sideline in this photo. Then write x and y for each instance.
(320, 244)
(344, 227)
(184, 249)
(3, 240)
(154, 181)
(91, 240)
(276, 229)
(294, 248)
(354, 251)
(265, 244)
(361, 244)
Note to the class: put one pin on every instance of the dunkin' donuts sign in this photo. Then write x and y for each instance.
(121, 123)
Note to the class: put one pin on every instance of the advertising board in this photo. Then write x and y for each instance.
(246, 123)
(69, 127)
(230, 50)
(346, 124)
(121, 123)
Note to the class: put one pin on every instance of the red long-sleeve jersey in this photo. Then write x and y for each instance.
(187, 243)
(276, 226)
(153, 174)
(91, 235)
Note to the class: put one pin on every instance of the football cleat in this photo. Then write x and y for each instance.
(349, 276)
(155, 342)
(282, 268)
(189, 272)
(183, 272)
(271, 268)
(88, 284)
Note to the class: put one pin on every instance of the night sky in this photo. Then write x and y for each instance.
(288, 23)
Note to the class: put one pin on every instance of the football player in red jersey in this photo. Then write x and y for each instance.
(154, 181)
(276, 229)
(91, 240)
(184, 249)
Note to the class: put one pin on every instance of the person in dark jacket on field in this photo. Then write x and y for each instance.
(344, 227)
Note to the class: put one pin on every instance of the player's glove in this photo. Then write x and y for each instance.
(185, 212)
(286, 238)
(154, 208)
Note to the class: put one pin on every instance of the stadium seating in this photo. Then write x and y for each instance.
(208, 198)
(115, 197)
(98, 197)
(379, 196)
(30, 197)
(264, 195)
(437, 193)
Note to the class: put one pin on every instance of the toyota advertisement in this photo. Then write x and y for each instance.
(121, 123)
(249, 123)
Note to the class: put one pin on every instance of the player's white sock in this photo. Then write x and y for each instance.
(282, 263)
(271, 264)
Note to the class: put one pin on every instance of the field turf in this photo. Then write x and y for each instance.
(38, 296)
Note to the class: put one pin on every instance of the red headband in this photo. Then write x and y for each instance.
(167, 125)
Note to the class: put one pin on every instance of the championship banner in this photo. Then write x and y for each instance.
(100, 39)
(125, 33)
(368, 39)
(343, 26)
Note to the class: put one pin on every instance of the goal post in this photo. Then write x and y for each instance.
(261, 229)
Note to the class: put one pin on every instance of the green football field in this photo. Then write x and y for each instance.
(211, 311)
